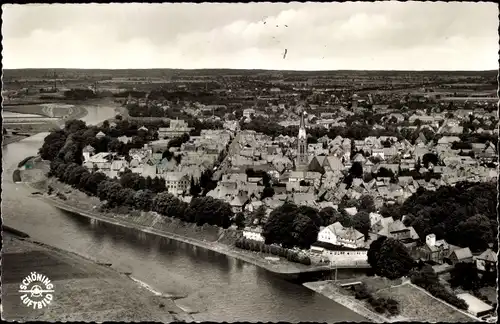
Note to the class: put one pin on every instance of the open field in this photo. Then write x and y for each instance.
(416, 305)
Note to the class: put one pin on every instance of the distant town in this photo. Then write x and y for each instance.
(393, 172)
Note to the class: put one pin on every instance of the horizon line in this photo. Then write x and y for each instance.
(249, 69)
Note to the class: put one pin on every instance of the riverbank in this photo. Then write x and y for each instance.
(330, 290)
(154, 222)
(208, 237)
(84, 290)
(9, 139)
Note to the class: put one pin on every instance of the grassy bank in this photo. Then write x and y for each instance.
(207, 236)
(414, 303)
(84, 290)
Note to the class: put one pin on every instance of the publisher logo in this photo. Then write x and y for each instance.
(36, 290)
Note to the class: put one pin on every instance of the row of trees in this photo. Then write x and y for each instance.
(64, 149)
(298, 226)
(466, 276)
(201, 210)
(464, 214)
(426, 278)
(290, 255)
(67, 144)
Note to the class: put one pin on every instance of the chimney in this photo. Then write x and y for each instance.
(430, 239)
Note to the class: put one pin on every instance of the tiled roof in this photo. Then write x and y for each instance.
(463, 253)
(488, 255)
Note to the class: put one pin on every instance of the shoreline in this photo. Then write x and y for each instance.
(27, 244)
(345, 301)
(212, 246)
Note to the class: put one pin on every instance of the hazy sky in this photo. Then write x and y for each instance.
(317, 36)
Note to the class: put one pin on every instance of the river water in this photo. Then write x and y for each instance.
(220, 287)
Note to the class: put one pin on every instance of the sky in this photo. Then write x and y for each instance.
(316, 36)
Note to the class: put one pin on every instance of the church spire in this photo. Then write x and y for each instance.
(302, 127)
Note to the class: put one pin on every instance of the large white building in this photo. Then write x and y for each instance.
(254, 234)
(177, 128)
(337, 234)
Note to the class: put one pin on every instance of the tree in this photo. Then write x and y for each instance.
(132, 180)
(258, 215)
(207, 210)
(194, 189)
(465, 275)
(389, 258)
(305, 231)
(74, 125)
(52, 144)
(480, 228)
(391, 211)
(361, 222)
(267, 192)
(429, 158)
(312, 213)
(239, 220)
(367, 203)
(115, 145)
(289, 226)
(143, 199)
(329, 216)
(385, 173)
(448, 209)
(356, 170)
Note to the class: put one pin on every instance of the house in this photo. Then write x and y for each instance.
(460, 255)
(87, 151)
(100, 135)
(486, 261)
(434, 250)
(177, 128)
(117, 166)
(448, 140)
(177, 183)
(101, 161)
(247, 113)
(375, 218)
(476, 307)
(351, 211)
(337, 254)
(238, 202)
(254, 234)
(124, 139)
(396, 230)
(337, 234)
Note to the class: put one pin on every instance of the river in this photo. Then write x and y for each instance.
(222, 288)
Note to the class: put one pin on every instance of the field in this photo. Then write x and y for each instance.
(416, 305)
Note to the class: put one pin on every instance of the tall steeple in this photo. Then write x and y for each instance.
(302, 160)
(302, 127)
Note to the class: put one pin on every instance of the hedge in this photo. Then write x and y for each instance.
(256, 246)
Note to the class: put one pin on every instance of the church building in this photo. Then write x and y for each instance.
(302, 159)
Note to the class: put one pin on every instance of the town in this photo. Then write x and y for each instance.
(310, 172)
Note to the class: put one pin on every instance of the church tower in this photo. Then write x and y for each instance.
(302, 160)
